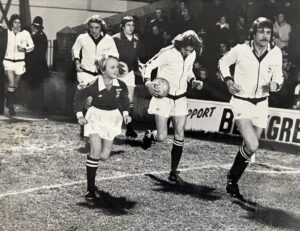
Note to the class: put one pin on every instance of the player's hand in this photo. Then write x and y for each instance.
(127, 119)
(233, 88)
(197, 84)
(273, 86)
(78, 67)
(82, 121)
(152, 88)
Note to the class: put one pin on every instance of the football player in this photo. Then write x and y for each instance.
(175, 64)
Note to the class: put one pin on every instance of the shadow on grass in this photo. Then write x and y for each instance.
(110, 205)
(14, 120)
(128, 141)
(183, 188)
(269, 216)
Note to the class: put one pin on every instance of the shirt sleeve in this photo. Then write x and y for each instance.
(190, 72)
(76, 48)
(29, 45)
(227, 60)
(277, 75)
(123, 103)
(158, 60)
(113, 48)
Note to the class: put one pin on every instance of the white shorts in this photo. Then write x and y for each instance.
(84, 79)
(258, 114)
(168, 107)
(17, 67)
(107, 124)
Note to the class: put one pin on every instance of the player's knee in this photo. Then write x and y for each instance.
(104, 156)
(252, 148)
(179, 135)
(95, 154)
(161, 136)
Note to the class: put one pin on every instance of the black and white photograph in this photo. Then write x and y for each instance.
(149, 115)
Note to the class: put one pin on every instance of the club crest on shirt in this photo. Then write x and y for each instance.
(118, 92)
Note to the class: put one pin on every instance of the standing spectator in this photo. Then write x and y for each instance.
(282, 31)
(19, 42)
(258, 71)
(89, 47)
(175, 64)
(103, 121)
(36, 63)
(128, 45)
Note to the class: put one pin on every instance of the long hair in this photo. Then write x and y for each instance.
(97, 19)
(187, 38)
(12, 19)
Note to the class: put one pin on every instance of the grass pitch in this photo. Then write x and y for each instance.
(42, 183)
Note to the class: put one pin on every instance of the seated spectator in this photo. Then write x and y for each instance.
(282, 99)
(185, 22)
(176, 12)
(222, 32)
(296, 98)
(282, 31)
(159, 19)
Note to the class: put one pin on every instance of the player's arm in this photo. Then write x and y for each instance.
(76, 53)
(113, 48)
(277, 75)
(79, 101)
(158, 60)
(191, 79)
(224, 66)
(30, 44)
(124, 103)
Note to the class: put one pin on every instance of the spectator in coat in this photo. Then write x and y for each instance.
(36, 63)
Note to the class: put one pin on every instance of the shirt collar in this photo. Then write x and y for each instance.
(251, 44)
(101, 85)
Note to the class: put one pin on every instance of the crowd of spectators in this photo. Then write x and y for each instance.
(220, 29)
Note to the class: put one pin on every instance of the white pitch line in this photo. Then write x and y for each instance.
(45, 187)
(21, 118)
